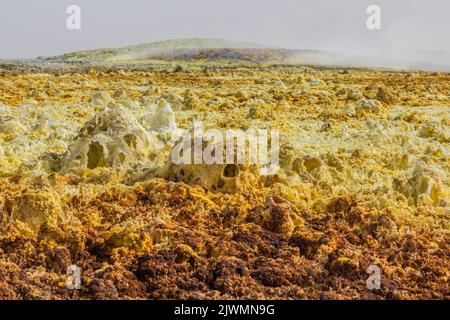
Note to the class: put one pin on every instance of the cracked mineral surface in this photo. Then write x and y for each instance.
(86, 179)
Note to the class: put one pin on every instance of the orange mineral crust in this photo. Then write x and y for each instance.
(87, 180)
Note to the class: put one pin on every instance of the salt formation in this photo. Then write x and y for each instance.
(353, 94)
(113, 138)
(280, 85)
(37, 207)
(222, 177)
(191, 100)
(386, 95)
(161, 119)
(101, 98)
(256, 109)
(368, 106)
(434, 130)
(425, 186)
(175, 100)
(275, 215)
(227, 178)
(11, 126)
(349, 109)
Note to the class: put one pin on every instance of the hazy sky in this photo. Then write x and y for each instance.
(38, 28)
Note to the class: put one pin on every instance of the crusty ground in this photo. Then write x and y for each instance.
(310, 232)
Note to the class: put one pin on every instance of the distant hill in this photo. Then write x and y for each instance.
(204, 49)
(157, 50)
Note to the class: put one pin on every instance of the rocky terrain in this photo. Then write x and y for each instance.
(86, 179)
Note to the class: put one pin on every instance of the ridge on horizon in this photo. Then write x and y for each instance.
(225, 50)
